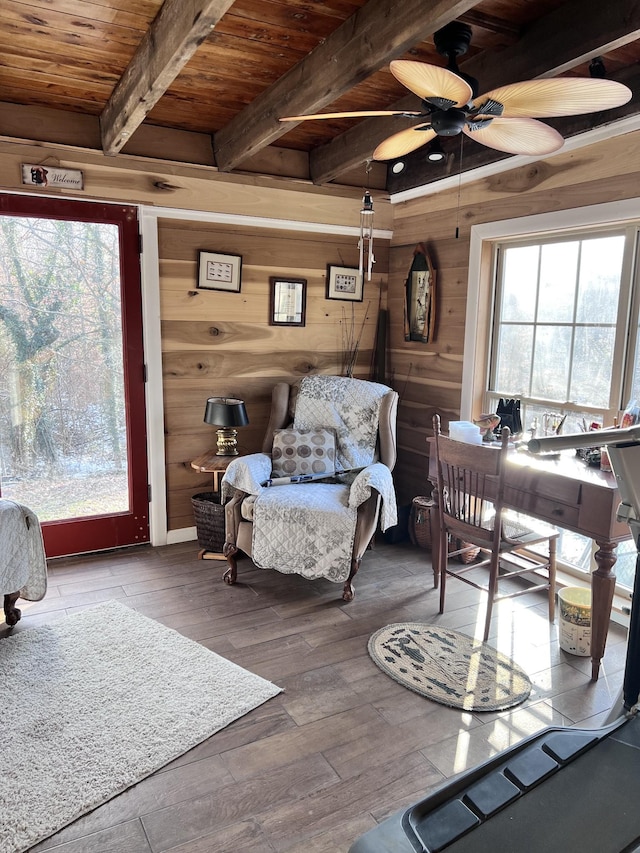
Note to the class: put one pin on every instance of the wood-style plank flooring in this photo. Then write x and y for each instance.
(344, 746)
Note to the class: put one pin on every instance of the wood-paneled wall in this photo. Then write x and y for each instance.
(429, 376)
(221, 344)
(216, 343)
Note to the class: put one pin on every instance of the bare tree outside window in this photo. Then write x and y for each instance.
(62, 413)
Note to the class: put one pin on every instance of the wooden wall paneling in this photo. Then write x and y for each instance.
(221, 343)
(194, 332)
(135, 180)
(179, 239)
(228, 312)
(196, 369)
(427, 369)
(189, 420)
(184, 444)
(450, 319)
(410, 478)
(587, 171)
(179, 508)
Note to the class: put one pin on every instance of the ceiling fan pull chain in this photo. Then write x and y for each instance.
(459, 187)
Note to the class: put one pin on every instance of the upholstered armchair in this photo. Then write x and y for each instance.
(322, 511)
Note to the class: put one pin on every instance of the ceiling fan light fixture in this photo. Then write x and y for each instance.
(435, 154)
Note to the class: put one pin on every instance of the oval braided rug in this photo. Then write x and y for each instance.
(449, 667)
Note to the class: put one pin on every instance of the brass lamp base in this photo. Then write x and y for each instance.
(227, 442)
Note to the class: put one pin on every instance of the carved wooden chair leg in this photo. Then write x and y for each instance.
(348, 592)
(12, 615)
(230, 552)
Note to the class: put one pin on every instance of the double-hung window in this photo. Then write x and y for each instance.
(564, 339)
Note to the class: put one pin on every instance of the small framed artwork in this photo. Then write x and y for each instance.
(344, 283)
(219, 271)
(287, 301)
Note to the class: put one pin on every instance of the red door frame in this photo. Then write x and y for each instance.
(98, 533)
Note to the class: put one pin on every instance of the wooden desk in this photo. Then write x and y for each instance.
(565, 492)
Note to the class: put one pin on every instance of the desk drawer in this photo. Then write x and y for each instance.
(553, 511)
(547, 484)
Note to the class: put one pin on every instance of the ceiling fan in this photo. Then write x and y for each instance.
(504, 118)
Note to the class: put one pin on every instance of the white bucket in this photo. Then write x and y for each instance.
(575, 620)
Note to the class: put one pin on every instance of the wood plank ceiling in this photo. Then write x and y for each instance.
(228, 70)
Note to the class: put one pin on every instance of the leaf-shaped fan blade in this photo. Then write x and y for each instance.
(431, 81)
(518, 136)
(403, 142)
(557, 96)
(361, 114)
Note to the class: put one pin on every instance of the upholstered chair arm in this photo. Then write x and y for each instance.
(247, 474)
(387, 438)
(366, 524)
(376, 477)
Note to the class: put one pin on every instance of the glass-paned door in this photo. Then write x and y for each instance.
(72, 418)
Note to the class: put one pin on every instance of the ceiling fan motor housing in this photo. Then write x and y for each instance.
(453, 39)
(448, 122)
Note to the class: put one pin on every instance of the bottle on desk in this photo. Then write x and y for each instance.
(631, 415)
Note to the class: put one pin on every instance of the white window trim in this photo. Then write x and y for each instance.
(480, 280)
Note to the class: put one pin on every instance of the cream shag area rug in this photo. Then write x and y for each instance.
(95, 702)
(448, 667)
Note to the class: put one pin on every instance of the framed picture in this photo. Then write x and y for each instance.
(287, 301)
(219, 271)
(344, 283)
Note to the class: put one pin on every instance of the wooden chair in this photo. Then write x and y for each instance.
(470, 482)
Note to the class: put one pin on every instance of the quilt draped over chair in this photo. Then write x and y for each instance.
(317, 529)
(23, 565)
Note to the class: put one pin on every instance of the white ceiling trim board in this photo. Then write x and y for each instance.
(599, 134)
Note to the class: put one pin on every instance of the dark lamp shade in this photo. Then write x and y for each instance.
(225, 412)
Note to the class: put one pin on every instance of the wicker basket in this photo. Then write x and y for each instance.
(466, 557)
(209, 516)
(420, 522)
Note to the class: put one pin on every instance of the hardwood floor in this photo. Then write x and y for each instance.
(344, 746)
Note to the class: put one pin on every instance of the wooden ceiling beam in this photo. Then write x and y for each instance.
(173, 37)
(570, 35)
(374, 35)
(491, 23)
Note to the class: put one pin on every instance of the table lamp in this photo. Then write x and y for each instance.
(226, 413)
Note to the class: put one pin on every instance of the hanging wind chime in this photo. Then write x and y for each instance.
(365, 244)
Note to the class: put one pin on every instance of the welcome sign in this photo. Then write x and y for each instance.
(52, 176)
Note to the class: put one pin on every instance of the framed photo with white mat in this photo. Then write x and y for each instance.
(219, 271)
(344, 283)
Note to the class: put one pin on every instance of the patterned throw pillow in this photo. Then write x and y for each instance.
(303, 451)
